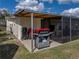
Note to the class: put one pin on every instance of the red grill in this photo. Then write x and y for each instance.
(41, 30)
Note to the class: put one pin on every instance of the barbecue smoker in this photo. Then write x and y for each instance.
(42, 38)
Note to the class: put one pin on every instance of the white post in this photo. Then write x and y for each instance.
(32, 32)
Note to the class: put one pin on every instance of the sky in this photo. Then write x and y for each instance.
(50, 6)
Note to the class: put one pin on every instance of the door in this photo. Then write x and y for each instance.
(44, 23)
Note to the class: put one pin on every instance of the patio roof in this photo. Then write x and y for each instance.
(27, 13)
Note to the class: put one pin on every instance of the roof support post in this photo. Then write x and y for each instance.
(70, 29)
(62, 25)
(31, 32)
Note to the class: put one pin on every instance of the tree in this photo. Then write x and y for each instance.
(3, 13)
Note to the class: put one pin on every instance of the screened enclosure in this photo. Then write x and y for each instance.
(67, 29)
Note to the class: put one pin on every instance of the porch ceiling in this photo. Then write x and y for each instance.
(36, 15)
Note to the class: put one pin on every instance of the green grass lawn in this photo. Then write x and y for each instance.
(10, 49)
(66, 51)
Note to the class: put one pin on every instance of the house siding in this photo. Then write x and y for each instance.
(19, 22)
(26, 22)
(15, 25)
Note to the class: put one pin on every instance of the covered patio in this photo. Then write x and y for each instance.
(59, 26)
(39, 20)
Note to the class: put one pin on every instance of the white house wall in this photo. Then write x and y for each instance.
(16, 27)
(8, 22)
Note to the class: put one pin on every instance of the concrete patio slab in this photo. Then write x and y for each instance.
(27, 44)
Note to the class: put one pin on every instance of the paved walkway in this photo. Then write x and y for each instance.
(27, 44)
